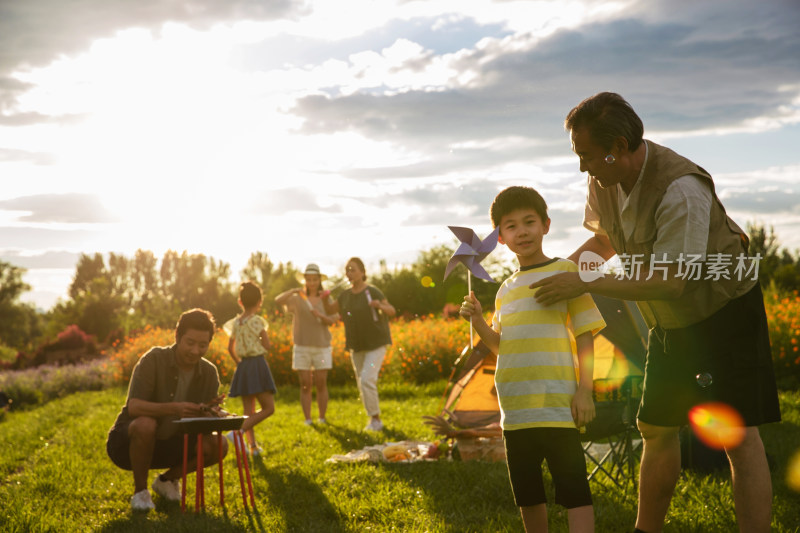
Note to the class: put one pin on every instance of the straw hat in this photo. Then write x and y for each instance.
(311, 268)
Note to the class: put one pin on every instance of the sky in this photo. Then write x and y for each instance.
(315, 131)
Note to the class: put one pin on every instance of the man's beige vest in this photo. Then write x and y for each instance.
(703, 297)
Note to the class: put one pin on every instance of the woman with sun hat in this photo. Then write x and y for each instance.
(311, 355)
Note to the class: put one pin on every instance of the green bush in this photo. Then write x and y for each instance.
(7, 356)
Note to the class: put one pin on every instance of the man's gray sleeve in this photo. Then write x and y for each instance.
(683, 219)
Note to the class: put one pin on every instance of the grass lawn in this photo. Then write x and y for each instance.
(55, 476)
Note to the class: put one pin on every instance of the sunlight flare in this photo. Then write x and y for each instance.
(717, 425)
(793, 472)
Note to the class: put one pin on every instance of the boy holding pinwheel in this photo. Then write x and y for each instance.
(542, 403)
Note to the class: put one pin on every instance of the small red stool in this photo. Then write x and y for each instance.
(202, 426)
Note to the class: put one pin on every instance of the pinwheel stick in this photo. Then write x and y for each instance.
(469, 291)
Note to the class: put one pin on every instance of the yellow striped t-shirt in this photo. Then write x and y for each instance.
(536, 367)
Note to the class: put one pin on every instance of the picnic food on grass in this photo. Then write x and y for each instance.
(394, 450)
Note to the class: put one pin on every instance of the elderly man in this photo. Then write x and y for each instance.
(686, 265)
(167, 383)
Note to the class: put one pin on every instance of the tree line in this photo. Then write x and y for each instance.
(114, 295)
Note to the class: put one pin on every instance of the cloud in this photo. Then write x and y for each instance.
(37, 158)
(722, 20)
(436, 35)
(444, 204)
(435, 119)
(22, 237)
(680, 77)
(33, 33)
(297, 199)
(772, 194)
(71, 208)
(38, 31)
(467, 203)
(763, 200)
(456, 160)
(46, 260)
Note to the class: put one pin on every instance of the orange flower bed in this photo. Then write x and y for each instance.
(783, 316)
(423, 350)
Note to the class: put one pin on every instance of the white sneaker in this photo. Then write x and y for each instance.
(141, 501)
(169, 490)
(308, 422)
(255, 450)
(374, 425)
(322, 421)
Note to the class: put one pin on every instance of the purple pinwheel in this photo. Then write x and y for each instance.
(472, 251)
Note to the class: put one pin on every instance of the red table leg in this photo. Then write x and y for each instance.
(203, 484)
(241, 460)
(237, 436)
(249, 483)
(183, 484)
(199, 488)
(221, 482)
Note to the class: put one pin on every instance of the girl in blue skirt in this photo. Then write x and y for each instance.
(248, 346)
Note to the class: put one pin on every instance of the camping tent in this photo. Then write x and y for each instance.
(471, 399)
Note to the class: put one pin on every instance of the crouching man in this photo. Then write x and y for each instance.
(167, 383)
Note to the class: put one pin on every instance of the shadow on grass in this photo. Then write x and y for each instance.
(484, 493)
(299, 499)
(393, 435)
(170, 518)
(347, 438)
(614, 508)
(350, 439)
(486, 502)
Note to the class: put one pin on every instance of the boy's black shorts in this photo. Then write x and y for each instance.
(561, 447)
(724, 358)
(166, 454)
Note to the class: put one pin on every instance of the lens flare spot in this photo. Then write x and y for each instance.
(608, 385)
(793, 472)
(427, 281)
(717, 425)
(620, 368)
(607, 390)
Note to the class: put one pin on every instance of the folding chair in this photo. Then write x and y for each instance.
(611, 442)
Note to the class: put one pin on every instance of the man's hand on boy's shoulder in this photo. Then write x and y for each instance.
(558, 287)
(583, 410)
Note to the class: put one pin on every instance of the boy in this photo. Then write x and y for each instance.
(541, 404)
